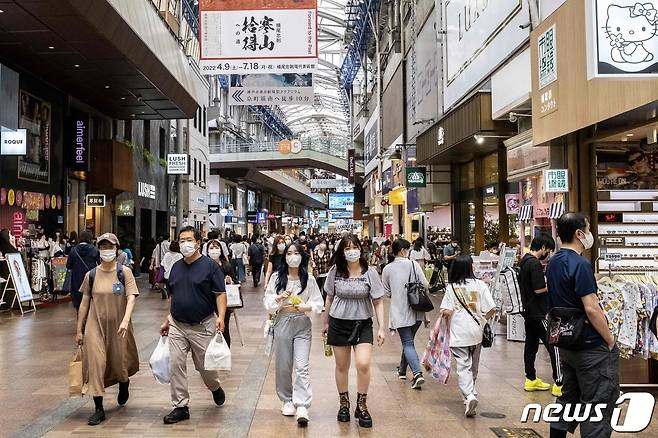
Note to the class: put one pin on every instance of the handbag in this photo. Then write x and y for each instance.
(565, 327)
(76, 380)
(487, 334)
(652, 322)
(417, 295)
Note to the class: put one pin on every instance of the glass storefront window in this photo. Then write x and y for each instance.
(491, 222)
(468, 227)
(467, 176)
(490, 169)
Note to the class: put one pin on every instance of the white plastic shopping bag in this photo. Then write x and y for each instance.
(218, 355)
(159, 361)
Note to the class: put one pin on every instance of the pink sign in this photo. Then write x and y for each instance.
(512, 203)
(542, 211)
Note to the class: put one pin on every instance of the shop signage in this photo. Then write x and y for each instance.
(416, 177)
(295, 146)
(145, 190)
(18, 224)
(79, 141)
(542, 211)
(94, 200)
(325, 183)
(556, 180)
(19, 277)
(351, 166)
(35, 116)
(13, 142)
(271, 216)
(252, 217)
(223, 212)
(480, 35)
(11, 197)
(261, 217)
(284, 146)
(126, 207)
(258, 36)
(371, 142)
(548, 101)
(440, 136)
(547, 44)
(178, 164)
(214, 209)
(512, 203)
(624, 38)
(271, 89)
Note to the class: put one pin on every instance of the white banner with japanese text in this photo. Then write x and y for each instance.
(258, 36)
(271, 89)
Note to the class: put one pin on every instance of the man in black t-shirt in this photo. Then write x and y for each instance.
(535, 303)
(197, 310)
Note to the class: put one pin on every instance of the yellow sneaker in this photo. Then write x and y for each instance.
(536, 385)
(557, 390)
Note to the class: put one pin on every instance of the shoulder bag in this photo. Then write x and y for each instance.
(417, 295)
(565, 327)
(487, 334)
(69, 272)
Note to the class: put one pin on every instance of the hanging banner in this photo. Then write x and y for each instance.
(78, 141)
(351, 166)
(271, 89)
(258, 36)
(35, 117)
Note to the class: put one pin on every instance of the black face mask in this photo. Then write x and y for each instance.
(544, 256)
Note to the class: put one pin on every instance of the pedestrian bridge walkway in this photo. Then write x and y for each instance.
(266, 156)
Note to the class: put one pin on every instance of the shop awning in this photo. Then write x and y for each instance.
(463, 134)
(557, 210)
(525, 214)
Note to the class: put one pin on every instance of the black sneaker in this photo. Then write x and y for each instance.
(178, 414)
(97, 418)
(402, 375)
(124, 394)
(219, 396)
(418, 381)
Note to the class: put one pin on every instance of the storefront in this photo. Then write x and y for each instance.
(603, 114)
(472, 144)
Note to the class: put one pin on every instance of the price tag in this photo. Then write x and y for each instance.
(613, 257)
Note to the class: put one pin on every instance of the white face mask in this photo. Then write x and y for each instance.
(187, 249)
(294, 260)
(331, 247)
(108, 255)
(587, 241)
(352, 255)
(323, 246)
(281, 247)
(214, 253)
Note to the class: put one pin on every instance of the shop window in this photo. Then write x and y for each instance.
(147, 135)
(195, 171)
(467, 176)
(205, 174)
(490, 169)
(196, 119)
(162, 143)
(204, 126)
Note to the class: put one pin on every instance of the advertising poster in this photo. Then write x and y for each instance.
(271, 89)
(35, 117)
(371, 140)
(341, 201)
(59, 272)
(18, 274)
(628, 168)
(258, 36)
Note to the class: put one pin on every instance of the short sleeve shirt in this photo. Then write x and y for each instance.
(194, 288)
(570, 277)
(353, 296)
(464, 331)
(531, 278)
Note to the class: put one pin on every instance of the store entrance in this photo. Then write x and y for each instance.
(147, 242)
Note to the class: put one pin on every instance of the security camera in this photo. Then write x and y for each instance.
(513, 118)
(525, 26)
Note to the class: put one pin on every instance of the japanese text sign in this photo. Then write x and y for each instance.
(556, 180)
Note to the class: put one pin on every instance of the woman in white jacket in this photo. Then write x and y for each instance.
(291, 293)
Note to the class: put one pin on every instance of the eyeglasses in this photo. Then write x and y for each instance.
(636, 160)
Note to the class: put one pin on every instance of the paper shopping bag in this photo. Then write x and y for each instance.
(75, 373)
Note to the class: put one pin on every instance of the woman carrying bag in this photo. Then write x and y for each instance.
(216, 253)
(104, 328)
(291, 294)
(402, 318)
(465, 302)
(353, 289)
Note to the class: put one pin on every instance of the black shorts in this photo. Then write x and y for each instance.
(348, 332)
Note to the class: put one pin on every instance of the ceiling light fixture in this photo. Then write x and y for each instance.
(76, 65)
(51, 47)
(107, 86)
(123, 98)
(1, 11)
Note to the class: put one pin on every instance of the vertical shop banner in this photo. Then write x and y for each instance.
(271, 89)
(258, 36)
(624, 38)
(78, 141)
(416, 177)
(351, 166)
(35, 117)
(371, 142)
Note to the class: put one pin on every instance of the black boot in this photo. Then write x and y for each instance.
(99, 416)
(361, 412)
(124, 394)
(178, 414)
(344, 410)
(219, 396)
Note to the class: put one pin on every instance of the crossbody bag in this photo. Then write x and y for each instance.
(487, 334)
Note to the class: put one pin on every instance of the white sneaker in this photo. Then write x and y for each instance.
(471, 405)
(302, 416)
(288, 409)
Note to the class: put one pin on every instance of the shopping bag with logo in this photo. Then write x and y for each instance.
(159, 361)
(437, 357)
(234, 296)
(75, 373)
(218, 355)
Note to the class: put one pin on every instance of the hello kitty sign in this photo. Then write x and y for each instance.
(624, 38)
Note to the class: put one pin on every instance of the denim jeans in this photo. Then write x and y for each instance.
(238, 267)
(409, 354)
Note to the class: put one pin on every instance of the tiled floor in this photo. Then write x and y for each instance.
(35, 350)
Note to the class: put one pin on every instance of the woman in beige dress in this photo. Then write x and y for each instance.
(104, 328)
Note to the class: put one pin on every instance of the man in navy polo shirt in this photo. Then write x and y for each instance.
(197, 309)
(591, 374)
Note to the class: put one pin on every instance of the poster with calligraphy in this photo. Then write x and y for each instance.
(271, 89)
(258, 36)
(35, 117)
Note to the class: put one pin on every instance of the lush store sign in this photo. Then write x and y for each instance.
(79, 141)
(416, 177)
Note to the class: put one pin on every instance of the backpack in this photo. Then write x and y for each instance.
(120, 275)
(508, 282)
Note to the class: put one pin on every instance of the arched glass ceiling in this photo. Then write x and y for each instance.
(325, 118)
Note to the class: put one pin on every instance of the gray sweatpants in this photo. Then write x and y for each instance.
(468, 362)
(292, 346)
